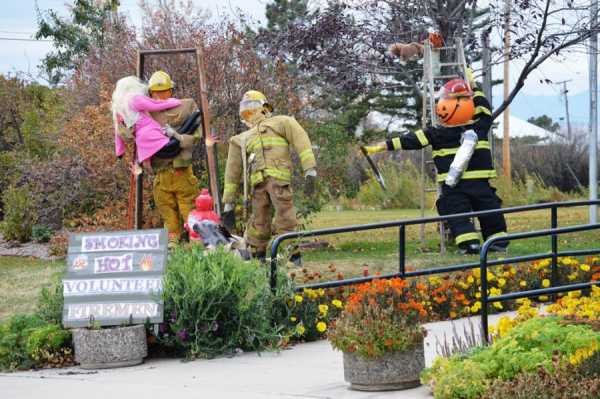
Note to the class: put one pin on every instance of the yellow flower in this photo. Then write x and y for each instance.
(498, 305)
(490, 276)
(298, 298)
(321, 291)
(543, 298)
(337, 303)
(434, 280)
(501, 282)
(475, 308)
(293, 319)
(300, 329)
(574, 294)
(478, 295)
(572, 276)
(463, 285)
(523, 283)
(453, 314)
(323, 309)
(585, 268)
(545, 283)
(321, 327)
(477, 272)
(470, 280)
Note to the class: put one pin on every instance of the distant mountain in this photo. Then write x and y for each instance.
(525, 106)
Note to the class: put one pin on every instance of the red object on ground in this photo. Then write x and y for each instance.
(204, 211)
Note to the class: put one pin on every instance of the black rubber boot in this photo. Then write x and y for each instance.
(470, 248)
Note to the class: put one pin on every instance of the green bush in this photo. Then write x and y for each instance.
(539, 343)
(529, 190)
(18, 214)
(41, 233)
(50, 303)
(14, 334)
(216, 304)
(403, 184)
(49, 345)
(563, 383)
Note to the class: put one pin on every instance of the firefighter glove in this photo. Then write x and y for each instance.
(310, 183)
(229, 217)
(374, 149)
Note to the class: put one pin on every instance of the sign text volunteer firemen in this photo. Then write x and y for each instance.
(114, 278)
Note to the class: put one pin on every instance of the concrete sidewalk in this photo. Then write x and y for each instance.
(311, 370)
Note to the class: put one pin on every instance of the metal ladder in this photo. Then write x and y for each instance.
(435, 72)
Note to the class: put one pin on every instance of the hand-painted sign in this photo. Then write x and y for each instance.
(114, 278)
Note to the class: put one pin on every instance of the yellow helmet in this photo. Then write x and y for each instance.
(254, 99)
(160, 81)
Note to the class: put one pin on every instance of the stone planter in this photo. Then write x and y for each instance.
(110, 347)
(393, 371)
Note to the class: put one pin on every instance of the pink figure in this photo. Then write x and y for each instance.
(130, 106)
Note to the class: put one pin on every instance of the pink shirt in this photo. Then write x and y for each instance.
(149, 138)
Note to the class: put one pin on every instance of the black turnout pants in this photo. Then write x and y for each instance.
(469, 196)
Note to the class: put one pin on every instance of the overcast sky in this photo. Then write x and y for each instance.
(18, 19)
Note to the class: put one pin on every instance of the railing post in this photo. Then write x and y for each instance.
(484, 294)
(554, 240)
(273, 279)
(402, 250)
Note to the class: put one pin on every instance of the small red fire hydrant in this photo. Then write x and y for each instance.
(204, 212)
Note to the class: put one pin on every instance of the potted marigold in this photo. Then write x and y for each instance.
(381, 337)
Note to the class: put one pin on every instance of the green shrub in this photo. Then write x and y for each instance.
(14, 334)
(538, 343)
(49, 345)
(41, 233)
(563, 383)
(18, 214)
(529, 190)
(403, 184)
(50, 302)
(215, 304)
(455, 377)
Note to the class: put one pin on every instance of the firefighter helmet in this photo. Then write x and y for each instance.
(455, 104)
(160, 81)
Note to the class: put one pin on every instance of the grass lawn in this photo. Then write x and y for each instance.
(350, 253)
(21, 280)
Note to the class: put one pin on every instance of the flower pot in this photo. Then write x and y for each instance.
(110, 347)
(393, 371)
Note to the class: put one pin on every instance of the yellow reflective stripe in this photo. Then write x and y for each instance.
(396, 143)
(478, 93)
(500, 234)
(280, 174)
(481, 145)
(482, 110)
(306, 155)
(471, 174)
(230, 188)
(256, 178)
(466, 237)
(257, 144)
(422, 138)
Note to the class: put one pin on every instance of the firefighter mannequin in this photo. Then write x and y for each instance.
(175, 187)
(259, 158)
(462, 157)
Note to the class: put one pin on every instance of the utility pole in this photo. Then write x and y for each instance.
(487, 80)
(593, 87)
(564, 93)
(506, 166)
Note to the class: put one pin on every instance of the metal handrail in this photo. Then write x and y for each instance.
(486, 299)
(553, 206)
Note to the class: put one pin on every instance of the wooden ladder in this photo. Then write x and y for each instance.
(435, 73)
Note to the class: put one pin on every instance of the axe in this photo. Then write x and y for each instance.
(376, 172)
